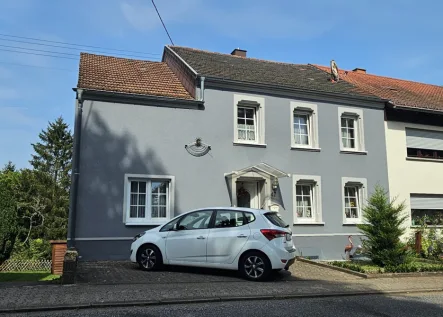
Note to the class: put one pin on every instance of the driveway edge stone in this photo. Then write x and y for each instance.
(209, 300)
(372, 275)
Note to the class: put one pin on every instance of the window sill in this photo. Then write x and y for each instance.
(354, 152)
(302, 148)
(424, 159)
(236, 143)
(145, 223)
(309, 224)
(352, 223)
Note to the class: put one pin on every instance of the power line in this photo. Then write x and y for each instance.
(73, 44)
(36, 50)
(29, 53)
(26, 65)
(164, 26)
(80, 49)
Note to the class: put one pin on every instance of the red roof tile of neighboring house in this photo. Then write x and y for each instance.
(130, 76)
(401, 92)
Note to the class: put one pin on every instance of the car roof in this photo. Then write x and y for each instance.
(254, 210)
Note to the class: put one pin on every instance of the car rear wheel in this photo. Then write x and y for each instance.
(149, 258)
(255, 266)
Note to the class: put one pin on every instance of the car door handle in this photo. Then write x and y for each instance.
(241, 236)
(201, 237)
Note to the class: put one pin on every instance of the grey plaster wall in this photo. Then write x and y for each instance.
(125, 138)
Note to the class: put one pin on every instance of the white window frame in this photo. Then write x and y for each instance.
(357, 116)
(362, 193)
(316, 199)
(310, 109)
(258, 104)
(148, 220)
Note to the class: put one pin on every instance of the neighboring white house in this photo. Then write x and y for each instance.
(414, 142)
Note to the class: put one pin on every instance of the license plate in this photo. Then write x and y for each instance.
(288, 237)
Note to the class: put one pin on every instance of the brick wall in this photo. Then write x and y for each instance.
(183, 73)
(58, 254)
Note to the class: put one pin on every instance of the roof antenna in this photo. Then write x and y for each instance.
(334, 71)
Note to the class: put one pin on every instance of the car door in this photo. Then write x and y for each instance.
(227, 237)
(188, 242)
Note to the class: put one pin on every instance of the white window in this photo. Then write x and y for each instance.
(246, 124)
(354, 199)
(304, 126)
(148, 199)
(307, 199)
(249, 120)
(351, 130)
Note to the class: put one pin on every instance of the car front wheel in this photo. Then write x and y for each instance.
(255, 266)
(149, 258)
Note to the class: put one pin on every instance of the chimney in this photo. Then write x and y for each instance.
(359, 70)
(239, 52)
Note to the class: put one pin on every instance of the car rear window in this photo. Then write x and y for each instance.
(276, 220)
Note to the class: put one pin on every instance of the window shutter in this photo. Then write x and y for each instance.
(426, 201)
(424, 139)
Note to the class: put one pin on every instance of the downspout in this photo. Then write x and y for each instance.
(202, 88)
(75, 170)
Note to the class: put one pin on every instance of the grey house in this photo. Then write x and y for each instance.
(201, 129)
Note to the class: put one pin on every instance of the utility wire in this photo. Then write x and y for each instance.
(15, 51)
(164, 26)
(80, 49)
(36, 50)
(73, 44)
(26, 65)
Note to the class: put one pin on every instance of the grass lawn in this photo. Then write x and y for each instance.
(31, 276)
(417, 265)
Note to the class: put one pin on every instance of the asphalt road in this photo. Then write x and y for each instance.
(428, 305)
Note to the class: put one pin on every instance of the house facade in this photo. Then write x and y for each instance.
(414, 140)
(202, 129)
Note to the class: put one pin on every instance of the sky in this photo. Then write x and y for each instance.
(396, 38)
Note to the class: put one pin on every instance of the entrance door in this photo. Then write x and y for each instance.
(247, 195)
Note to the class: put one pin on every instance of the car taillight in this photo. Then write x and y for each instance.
(272, 233)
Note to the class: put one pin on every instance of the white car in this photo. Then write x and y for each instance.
(253, 241)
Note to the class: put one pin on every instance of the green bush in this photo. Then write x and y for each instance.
(34, 249)
(348, 265)
(383, 230)
(8, 219)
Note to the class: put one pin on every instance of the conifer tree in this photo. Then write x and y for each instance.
(383, 229)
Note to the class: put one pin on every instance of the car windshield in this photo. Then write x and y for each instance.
(276, 220)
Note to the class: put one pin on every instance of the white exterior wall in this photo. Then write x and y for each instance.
(406, 176)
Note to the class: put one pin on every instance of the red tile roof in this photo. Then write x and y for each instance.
(99, 72)
(401, 92)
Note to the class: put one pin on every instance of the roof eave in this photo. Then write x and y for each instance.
(392, 105)
(105, 95)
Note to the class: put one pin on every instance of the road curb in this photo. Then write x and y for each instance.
(208, 300)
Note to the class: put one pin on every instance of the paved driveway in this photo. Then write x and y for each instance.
(112, 272)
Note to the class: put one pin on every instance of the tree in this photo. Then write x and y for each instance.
(51, 180)
(383, 229)
(8, 216)
(53, 154)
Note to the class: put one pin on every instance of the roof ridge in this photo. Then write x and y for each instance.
(234, 56)
(373, 75)
(121, 58)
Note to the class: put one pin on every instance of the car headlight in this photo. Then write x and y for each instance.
(138, 236)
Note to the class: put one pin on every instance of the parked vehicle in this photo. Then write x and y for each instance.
(253, 241)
